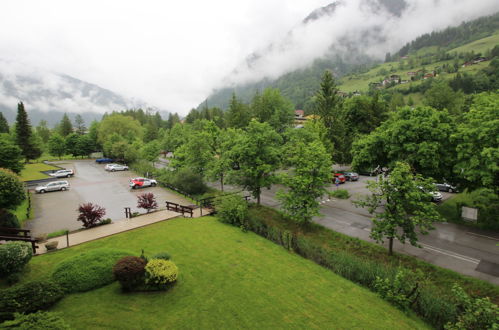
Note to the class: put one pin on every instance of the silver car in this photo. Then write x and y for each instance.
(52, 186)
(116, 167)
(62, 173)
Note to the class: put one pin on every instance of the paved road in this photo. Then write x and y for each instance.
(451, 246)
(58, 210)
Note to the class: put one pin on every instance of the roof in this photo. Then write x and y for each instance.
(300, 113)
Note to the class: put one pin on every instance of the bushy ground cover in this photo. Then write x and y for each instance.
(227, 279)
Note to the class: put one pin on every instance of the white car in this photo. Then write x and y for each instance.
(116, 167)
(53, 186)
(62, 173)
(142, 183)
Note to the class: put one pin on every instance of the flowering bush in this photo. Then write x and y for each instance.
(14, 256)
(161, 273)
(147, 201)
(90, 214)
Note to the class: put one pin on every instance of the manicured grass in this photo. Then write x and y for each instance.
(228, 279)
(33, 171)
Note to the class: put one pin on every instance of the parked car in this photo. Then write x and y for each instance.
(436, 196)
(446, 187)
(62, 173)
(340, 177)
(52, 186)
(104, 160)
(142, 183)
(351, 176)
(116, 167)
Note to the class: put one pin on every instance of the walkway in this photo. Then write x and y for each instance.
(117, 227)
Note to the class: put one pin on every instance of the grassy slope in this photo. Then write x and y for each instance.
(361, 82)
(227, 279)
(21, 212)
(32, 171)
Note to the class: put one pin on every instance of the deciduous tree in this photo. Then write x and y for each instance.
(10, 154)
(147, 201)
(90, 214)
(12, 191)
(257, 153)
(400, 205)
(57, 145)
(65, 127)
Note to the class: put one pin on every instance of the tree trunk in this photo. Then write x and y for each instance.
(222, 183)
(390, 246)
(258, 199)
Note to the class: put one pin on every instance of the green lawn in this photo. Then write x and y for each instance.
(228, 279)
(33, 171)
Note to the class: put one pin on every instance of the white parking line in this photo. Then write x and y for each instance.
(474, 234)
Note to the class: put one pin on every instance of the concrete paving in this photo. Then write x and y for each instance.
(91, 183)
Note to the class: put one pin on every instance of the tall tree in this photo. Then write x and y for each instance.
(43, 131)
(222, 162)
(65, 126)
(440, 96)
(258, 155)
(238, 115)
(401, 206)
(328, 106)
(80, 125)
(273, 108)
(57, 145)
(24, 134)
(310, 173)
(477, 139)
(4, 126)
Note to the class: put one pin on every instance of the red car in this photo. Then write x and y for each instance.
(340, 177)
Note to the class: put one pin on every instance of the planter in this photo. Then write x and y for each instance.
(50, 246)
(41, 238)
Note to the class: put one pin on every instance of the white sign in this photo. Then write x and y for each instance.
(469, 213)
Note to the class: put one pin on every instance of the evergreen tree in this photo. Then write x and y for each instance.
(329, 109)
(238, 115)
(80, 125)
(65, 126)
(23, 133)
(4, 126)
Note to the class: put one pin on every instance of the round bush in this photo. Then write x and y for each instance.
(87, 271)
(129, 271)
(37, 321)
(160, 273)
(162, 255)
(14, 256)
(29, 297)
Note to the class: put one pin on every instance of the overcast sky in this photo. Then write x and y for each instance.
(171, 54)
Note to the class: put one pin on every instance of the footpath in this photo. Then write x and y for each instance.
(113, 228)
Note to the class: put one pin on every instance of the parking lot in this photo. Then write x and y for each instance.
(91, 183)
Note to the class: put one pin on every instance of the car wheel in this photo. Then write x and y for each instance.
(153, 185)
(67, 176)
(42, 191)
(63, 189)
(134, 187)
(113, 170)
(450, 190)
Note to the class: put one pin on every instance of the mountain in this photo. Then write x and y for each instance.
(346, 37)
(48, 95)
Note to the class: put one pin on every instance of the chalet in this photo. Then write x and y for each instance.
(411, 73)
(404, 81)
(479, 59)
(376, 85)
(300, 118)
(428, 75)
(343, 94)
(299, 113)
(356, 93)
(465, 64)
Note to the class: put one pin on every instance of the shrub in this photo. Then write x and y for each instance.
(473, 313)
(29, 297)
(129, 271)
(161, 273)
(162, 255)
(90, 214)
(147, 201)
(188, 181)
(8, 219)
(14, 256)
(399, 291)
(87, 271)
(37, 321)
(232, 209)
(339, 193)
(12, 191)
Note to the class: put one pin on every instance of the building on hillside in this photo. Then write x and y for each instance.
(411, 74)
(300, 118)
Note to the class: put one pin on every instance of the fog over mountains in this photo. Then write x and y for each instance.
(346, 33)
(48, 95)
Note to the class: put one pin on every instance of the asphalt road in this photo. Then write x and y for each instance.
(451, 246)
(91, 183)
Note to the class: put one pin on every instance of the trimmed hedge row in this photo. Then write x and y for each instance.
(339, 253)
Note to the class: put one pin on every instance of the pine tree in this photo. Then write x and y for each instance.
(80, 125)
(65, 126)
(4, 126)
(23, 133)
